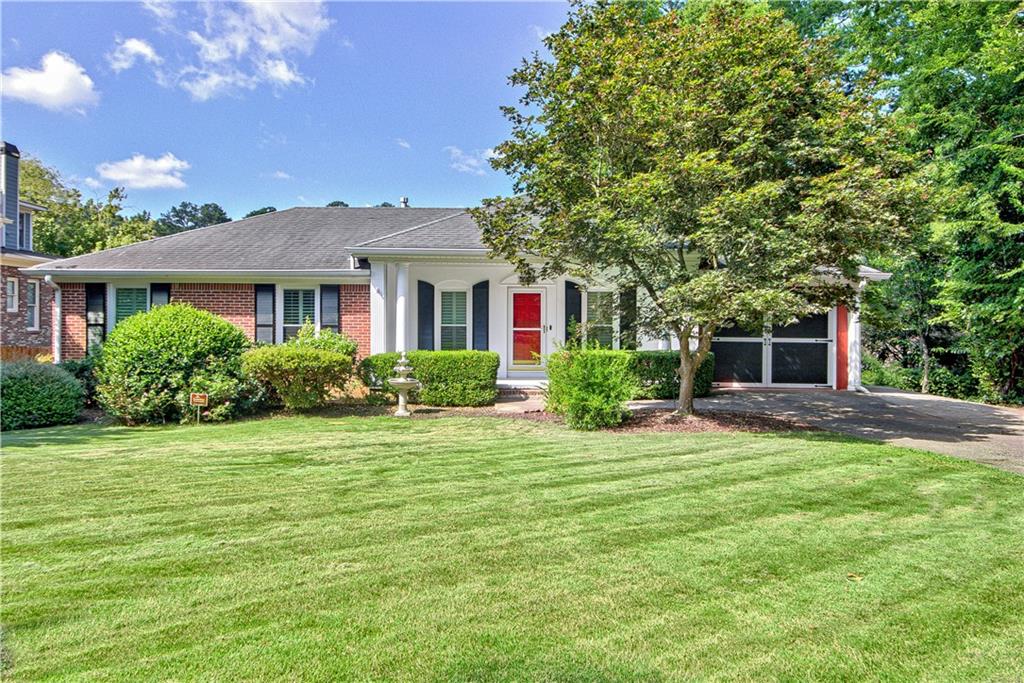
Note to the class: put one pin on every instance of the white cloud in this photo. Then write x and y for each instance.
(280, 175)
(92, 183)
(242, 45)
(142, 173)
(129, 51)
(403, 143)
(540, 31)
(347, 43)
(60, 84)
(474, 163)
(161, 9)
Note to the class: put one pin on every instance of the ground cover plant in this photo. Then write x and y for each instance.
(489, 549)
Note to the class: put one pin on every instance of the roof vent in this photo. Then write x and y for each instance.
(403, 202)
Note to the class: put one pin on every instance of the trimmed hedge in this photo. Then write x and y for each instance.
(590, 387)
(303, 376)
(151, 362)
(37, 395)
(657, 378)
(449, 378)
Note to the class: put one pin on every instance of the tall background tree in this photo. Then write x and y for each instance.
(953, 74)
(70, 225)
(338, 203)
(712, 160)
(189, 216)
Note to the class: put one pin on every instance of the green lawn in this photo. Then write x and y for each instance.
(489, 549)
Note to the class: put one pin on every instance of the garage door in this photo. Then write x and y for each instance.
(794, 355)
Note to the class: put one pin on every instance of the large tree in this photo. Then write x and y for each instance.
(70, 226)
(260, 211)
(711, 160)
(189, 216)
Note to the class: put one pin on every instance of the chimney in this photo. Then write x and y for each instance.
(9, 177)
(403, 202)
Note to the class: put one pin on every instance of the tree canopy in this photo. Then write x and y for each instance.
(189, 216)
(952, 73)
(338, 202)
(70, 225)
(719, 166)
(260, 212)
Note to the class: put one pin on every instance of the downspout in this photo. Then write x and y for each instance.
(56, 327)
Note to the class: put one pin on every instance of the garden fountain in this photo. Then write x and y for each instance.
(403, 384)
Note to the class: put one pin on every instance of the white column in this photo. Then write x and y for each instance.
(401, 305)
(378, 307)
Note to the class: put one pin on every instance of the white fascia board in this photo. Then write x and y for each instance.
(408, 251)
(173, 275)
(22, 260)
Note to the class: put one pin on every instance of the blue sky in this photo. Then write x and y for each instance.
(283, 104)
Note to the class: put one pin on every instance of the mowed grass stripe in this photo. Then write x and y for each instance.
(491, 549)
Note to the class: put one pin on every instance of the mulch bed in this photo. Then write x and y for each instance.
(654, 420)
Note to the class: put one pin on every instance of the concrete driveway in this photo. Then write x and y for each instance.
(973, 431)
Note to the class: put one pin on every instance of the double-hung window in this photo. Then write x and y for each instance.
(159, 294)
(600, 318)
(32, 304)
(265, 313)
(454, 321)
(299, 308)
(129, 301)
(25, 230)
(11, 294)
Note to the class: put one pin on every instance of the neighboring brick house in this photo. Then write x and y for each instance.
(399, 278)
(25, 300)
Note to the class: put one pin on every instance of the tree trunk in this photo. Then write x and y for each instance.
(686, 371)
(926, 364)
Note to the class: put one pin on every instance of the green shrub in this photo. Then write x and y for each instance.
(37, 395)
(944, 382)
(590, 387)
(326, 340)
(302, 376)
(657, 376)
(151, 362)
(449, 378)
(876, 372)
(84, 370)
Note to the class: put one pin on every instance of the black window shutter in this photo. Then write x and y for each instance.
(481, 295)
(425, 315)
(627, 318)
(573, 308)
(329, 296)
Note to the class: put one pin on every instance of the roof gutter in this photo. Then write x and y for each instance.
(166, 273)
(414, 251)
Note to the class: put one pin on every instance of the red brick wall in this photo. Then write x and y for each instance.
(72, 332)
(355, 315)
(236, 303)
(14, 330)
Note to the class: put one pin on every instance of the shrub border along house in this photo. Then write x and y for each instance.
(449, 378)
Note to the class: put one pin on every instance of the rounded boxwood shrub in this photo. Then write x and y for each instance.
(37, 395)
(151, 361)
(449, 378)
(590, 387)
(302, 376)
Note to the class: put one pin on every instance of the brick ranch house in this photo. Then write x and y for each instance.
(25, 302)
(401, 279)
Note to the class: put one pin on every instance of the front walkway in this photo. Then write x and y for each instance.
(974, 431)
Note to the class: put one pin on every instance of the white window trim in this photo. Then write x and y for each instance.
(29, 304)
(586, 317)
(279, 307)
(12, 301)
(468, 291)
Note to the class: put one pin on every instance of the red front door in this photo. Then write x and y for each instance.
(527, 328)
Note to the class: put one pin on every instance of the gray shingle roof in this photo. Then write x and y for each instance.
(296, 239)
